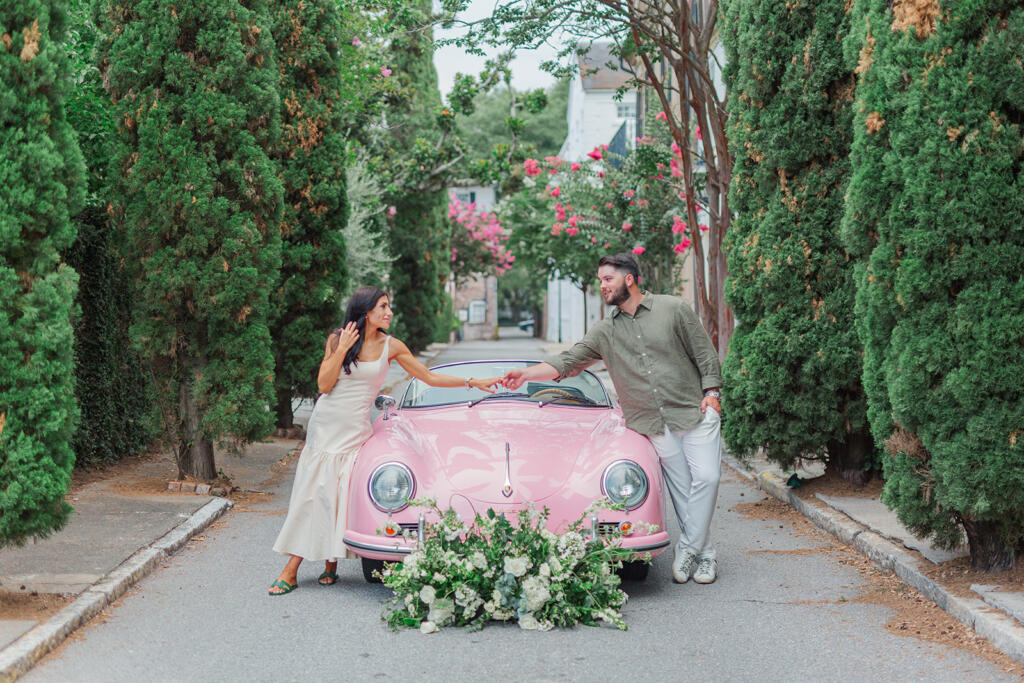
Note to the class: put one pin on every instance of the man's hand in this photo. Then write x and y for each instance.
(712, 402)
(513, 379)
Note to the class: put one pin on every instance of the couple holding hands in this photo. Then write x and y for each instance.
(659, 357)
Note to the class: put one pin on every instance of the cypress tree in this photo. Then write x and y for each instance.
(112, 391)
(194, 86)
(792, 374)
(417, 235)
(41, 187)
(311, 154)
(934, 219)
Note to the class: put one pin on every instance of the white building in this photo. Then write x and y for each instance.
(595, 117)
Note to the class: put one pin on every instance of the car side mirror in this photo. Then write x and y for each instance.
(384, 402)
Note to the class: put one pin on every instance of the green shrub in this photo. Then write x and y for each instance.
(195, 91)
(934, 218)
(792, 373)
(41, 187)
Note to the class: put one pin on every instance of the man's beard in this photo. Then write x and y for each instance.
(618, 297)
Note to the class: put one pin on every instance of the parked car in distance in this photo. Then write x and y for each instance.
(560, 445)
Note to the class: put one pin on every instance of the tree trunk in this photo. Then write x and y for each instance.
(849, 459)
(989, 551)
(283, 408)
(195, 450)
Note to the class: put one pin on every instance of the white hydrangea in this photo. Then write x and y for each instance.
(427, 594)
(572, 546)
(441, 611)
(439, 577)
(428, 627)
(536, 592)
(464, 595)
(544, 569)
(516, 566)
(479, 560)
(528, 622)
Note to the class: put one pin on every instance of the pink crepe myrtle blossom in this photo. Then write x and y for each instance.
(557, 228)
(675, 150)
(676, 171)
(554, 161)
(559, 211)
(638, 250)
(596, 154)
(575, 167)
(478, 240)
(572, 231)
(660, 116)
(609, 205)
(682, 195)
(556, 192)
(703, 228)
(699, 136)
(356, 42)
(573, 220)
(678, 225)
(659, 177)
(531, 167)
(629, 194)
(593, 240)
(627, 226)
(385, 72)
(392, 210)
(683, 245)
(600, 174)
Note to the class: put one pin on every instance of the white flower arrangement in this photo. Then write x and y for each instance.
(500, 569)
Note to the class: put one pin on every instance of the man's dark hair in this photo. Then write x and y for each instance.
(624, 263)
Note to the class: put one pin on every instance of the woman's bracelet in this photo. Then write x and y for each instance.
(468, 380)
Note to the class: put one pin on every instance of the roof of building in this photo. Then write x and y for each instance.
(594, 72)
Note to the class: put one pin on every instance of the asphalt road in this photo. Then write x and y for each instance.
(785, 608)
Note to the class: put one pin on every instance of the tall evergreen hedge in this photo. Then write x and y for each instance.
(417, 234)
(934, 220)
(311, 154)
(792, 374)
(195, 89)
(111, 387)
(41, 187)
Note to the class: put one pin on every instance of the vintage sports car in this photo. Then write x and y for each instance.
(562, 445)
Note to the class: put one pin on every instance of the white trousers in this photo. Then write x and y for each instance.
(691, 462)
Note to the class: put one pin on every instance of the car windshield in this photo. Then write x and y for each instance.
(583, 390)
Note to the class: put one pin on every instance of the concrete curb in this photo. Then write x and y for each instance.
(1000, 629)
(23, 653)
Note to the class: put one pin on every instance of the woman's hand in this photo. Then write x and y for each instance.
(485, 384)
(345, 339)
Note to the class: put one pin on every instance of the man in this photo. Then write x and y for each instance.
(667, 376)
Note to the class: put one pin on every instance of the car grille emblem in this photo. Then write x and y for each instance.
(506, 490)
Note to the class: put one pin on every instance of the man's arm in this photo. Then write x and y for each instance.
(565, 364)
(516, 378)
(704, 355)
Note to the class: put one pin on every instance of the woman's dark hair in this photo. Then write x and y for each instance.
(624, 263)
(362, 302)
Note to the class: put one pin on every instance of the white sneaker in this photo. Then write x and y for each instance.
(683, 565)
(707, 570)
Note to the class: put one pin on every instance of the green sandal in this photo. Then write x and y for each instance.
(285, 587)
(333, 576)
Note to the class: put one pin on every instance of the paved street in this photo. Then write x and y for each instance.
(786, 607)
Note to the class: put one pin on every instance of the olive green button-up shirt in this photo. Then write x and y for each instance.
(660, 361)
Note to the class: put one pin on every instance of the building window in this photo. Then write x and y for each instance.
(625, 110)
(477, 311)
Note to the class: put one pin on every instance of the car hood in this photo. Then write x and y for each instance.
(468, 446)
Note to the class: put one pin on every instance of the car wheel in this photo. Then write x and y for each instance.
(633, 571)
(370, 566)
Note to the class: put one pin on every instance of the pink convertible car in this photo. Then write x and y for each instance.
(562, 445)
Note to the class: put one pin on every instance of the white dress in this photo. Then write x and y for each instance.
(338, 427)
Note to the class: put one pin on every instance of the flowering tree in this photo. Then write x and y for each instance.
(477, 242)
(570, 214)
(672, 46)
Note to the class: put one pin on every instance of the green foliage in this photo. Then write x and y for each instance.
(933, 218)
(417, 232)
(792, 373)
(41, 187)
(195, 87)
(111, 388)
(311, 154)
(542, 133)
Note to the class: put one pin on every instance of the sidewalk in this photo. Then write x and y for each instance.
(861, 520)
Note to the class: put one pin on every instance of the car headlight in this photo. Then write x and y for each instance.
(625, 483)
(391, 486)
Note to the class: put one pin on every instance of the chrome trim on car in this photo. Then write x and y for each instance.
(380, 548)
(649, 546)
(506, 490)
(369, 485)
(647, 480)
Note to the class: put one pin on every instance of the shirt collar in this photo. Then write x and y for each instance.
(647, 302)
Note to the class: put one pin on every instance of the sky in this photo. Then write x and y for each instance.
(526, 72)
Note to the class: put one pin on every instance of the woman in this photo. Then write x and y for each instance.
(356, 359)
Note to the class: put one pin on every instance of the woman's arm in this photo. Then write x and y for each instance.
(401, 353)
(330, 366)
